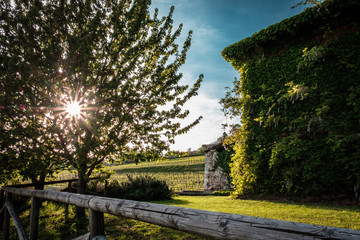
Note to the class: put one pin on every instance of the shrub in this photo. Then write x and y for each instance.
(96, 188)
(226, 192)
(140, 188)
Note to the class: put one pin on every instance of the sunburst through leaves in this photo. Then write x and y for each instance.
(73, 109)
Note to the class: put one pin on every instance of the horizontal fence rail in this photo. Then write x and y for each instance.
(48, 183)
(206, 223)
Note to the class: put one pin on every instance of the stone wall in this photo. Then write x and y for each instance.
(215, 179)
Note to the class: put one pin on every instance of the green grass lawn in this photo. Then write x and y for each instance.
(318, 214)
(174, 170)
(121, 228)
(55, 224)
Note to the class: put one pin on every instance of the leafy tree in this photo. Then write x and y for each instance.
(84, 82)
(308, 2)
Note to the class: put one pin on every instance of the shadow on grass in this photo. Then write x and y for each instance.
(129, 229)
(172, 202)
(337, 204)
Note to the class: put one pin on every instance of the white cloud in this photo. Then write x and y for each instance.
(210, 127)
(204, 57)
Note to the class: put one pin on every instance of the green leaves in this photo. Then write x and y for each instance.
(119, 63)
(298, 100)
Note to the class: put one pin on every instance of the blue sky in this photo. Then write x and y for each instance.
(216, 24)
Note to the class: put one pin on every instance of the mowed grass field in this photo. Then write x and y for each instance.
(58, 223)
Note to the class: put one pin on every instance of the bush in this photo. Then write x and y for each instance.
(226, 192)
(141, 188)
(96, 188)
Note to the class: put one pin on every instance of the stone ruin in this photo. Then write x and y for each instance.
(215, 179)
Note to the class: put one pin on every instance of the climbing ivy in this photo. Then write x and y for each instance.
(299, 102)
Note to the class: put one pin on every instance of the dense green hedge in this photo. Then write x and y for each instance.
(300, 105)
(313, 20)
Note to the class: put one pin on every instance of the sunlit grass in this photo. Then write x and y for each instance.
(180, 174)
(55, 223)
(311, 213)
(166, 162)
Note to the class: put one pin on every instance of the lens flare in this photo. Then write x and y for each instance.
(73, 109)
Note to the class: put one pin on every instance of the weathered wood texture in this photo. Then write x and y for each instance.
(34, 217)
(96, 223)
(206, 223)
(6, 224)
(2, 208)
(83, 237)
(87, 237)
(19, 228)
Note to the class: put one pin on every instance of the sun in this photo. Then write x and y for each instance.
(73, 109)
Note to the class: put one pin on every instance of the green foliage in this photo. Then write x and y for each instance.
(226, 192)
(113, 58)
(299, 105)
(96, 188)
(179, 154)
(175, 154)
(309, 2)
(223, 160)
(140, 188)
(297, 27)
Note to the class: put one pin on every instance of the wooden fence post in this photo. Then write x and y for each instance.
(2, 208)
(96, 223)
(18, 226)
(197, 186)
(34, 217)
(6, 224)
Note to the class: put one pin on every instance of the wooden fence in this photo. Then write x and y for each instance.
(206, 223)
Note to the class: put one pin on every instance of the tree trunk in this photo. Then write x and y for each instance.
(81, 188)
(39, 184)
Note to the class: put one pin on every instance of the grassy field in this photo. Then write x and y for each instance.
(191, 169)
(180, 174)
(58, 223)
(311, 213)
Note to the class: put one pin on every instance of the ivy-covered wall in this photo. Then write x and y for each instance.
(299, 99)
